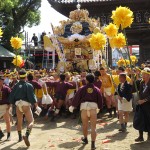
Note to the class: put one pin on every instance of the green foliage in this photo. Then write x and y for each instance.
(15, 15)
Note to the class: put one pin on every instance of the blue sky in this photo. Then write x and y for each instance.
(48, 15)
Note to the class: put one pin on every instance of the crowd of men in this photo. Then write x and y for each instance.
(120, 91)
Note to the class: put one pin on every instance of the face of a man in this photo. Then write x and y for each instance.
(145, 76)
(103, 72)
(83, 74)
(67, 77)
(138, 71)
(122, 79)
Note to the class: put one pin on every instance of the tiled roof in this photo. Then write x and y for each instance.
(88, 1)
(81, 1)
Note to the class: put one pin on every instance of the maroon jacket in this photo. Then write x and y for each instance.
(61, 88)
(88, 93)
(98, 83)
(4, 94)
(83, 82)
(35, 84)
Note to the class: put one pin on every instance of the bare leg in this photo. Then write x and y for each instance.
(121, 116)
(19, 123)
(7, 121)
(85, 119)
(93, 118)
(29, 117)
(126, 114)
(108, 103)
(121, 121)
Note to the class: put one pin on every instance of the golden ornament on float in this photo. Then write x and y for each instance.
(97, 30)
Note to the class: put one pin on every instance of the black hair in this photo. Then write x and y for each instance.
(30, 77)
(90, 78)
(123, 75)
(102, 68)
(62, 77)
(97, 73)
(22, 72)
(121, 69)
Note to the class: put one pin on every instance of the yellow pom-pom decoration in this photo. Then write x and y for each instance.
(97, 41)
(133, 59)
(18, 61)
(122, 17)
(111, 30)
(16, 42)
(121, 62)
(118, 41)
(1, 32)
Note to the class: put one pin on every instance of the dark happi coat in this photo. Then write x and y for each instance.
(61, 87)
(22, 91)
(98, 83)
(4, 94)
(88, 93)
(35, 84)
(125, 91)
(142, 115)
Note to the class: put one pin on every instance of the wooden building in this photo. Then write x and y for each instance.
(138, 34)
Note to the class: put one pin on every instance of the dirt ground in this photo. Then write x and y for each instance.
(65, 134)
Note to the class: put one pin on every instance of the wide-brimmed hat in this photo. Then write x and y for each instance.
(146, 70)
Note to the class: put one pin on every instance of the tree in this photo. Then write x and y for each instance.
(15, 15)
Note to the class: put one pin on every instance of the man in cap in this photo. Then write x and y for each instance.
(142, 113)
(23, 97)
(4, 107)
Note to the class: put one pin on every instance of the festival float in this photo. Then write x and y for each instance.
(71, 40)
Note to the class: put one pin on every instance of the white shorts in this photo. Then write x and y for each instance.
(107, 92)
(89, 106)
(3, 109)
(125, 105)
(22, 103)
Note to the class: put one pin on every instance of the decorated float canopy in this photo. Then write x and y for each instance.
(72, 41)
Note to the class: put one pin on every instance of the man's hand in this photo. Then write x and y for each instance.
(120, 99)
(71, 108)
(115, 85)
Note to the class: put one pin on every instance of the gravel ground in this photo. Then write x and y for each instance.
(65, 134)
